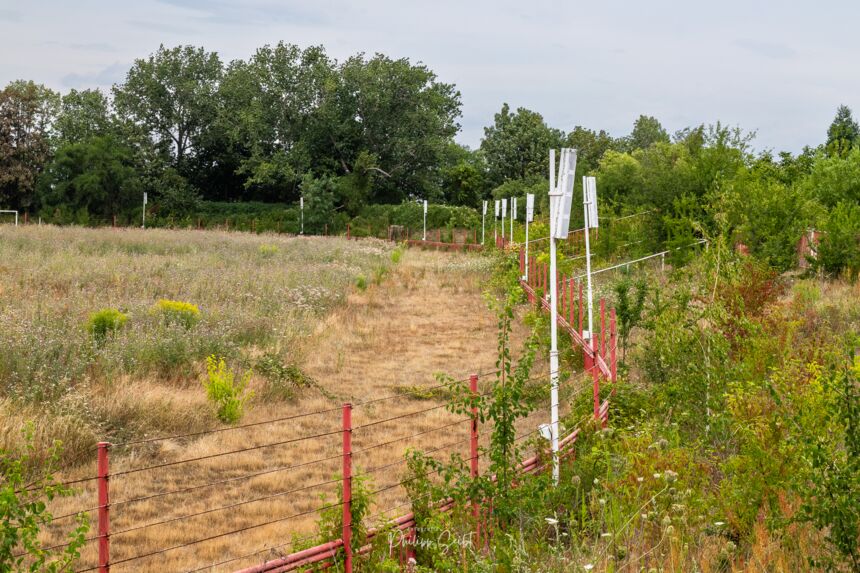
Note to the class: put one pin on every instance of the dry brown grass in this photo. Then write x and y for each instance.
(427, 316)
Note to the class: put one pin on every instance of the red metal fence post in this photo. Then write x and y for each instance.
(613, 341)
(580, 309)
(347, 231)
(473, 448)
(103, 472)
(595, 374)
(570, 297)
(347, 488)
(603, 328)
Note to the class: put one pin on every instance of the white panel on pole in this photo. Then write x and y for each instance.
(560, 224)
(514, 209)
(530, 207)
(425, 206)
(497, 208)
(504, 208)
(592, 203)
(485, 207)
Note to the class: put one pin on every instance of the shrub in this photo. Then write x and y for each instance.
(268, 251)
(396, 255)
(178, 312)
(361, 282)
(222, 389)
(284, 379)
(23, 513)
(104, 322)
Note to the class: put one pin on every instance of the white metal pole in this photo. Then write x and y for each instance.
(483, 221)
(424, 238)
(585, 205)
(504, 208)
(555, 205)
(16, 218)
(143, 221)
(512, 218)
(302, 210)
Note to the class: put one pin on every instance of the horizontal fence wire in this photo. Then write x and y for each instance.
(221, 454)
(291, 543)
(227, 429)
(416, 434)
(225, 507)
(399, 417)
(402, 460)
(216, 536)
(422, 389)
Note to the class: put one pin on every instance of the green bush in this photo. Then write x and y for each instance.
(178, 312)
(396, 255)
(104, 322)
(361, 282)
(268, 251)
(222, 389)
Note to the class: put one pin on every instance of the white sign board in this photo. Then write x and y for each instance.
(514, 208)
(301, 202)
(144, 197)
(591, 197)
(530, 207)
(504, 208)
(563, 193)
(425, 206)
(485, 207)
(497, 208)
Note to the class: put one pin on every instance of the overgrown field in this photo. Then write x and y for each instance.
(258, 298)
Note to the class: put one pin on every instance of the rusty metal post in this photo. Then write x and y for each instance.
(579, 312)
(347, 232)
(103, 472)
(473, 450)
(570, 297)
(347, 487)
(603, 328)
(613, 341)
(595, 375)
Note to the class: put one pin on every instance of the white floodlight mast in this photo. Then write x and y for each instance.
(483, 220)
(559, 200)
(424, 238)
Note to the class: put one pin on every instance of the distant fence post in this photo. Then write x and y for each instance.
(473, 449)
(613, 338)
(347, 487)
(103, 471)
(347, 231)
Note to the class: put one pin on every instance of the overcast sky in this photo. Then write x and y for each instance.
(777, 67)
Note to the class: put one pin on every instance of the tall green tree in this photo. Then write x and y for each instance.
(172, 95)
(27, 113)
(843, 133)
(91, 181)
(83, 114)
(517, 145)
(590, 146)
(647, 131)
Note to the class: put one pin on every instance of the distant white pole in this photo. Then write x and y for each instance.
(586, 205)
(530, 207)
(483, 220)
(496, 224)
(424, 238)
(143, 222)
(302, 210)
(513, 216)
(504, 212)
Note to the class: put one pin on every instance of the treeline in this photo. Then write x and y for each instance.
(197, 134)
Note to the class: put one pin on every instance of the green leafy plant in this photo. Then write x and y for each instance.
(396, 255)
(224, 391)
(629, 308)
(24, 513)
(178, 312)
(105, 322)
(361, 282)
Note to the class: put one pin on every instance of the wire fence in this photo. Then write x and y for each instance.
(304, 475)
